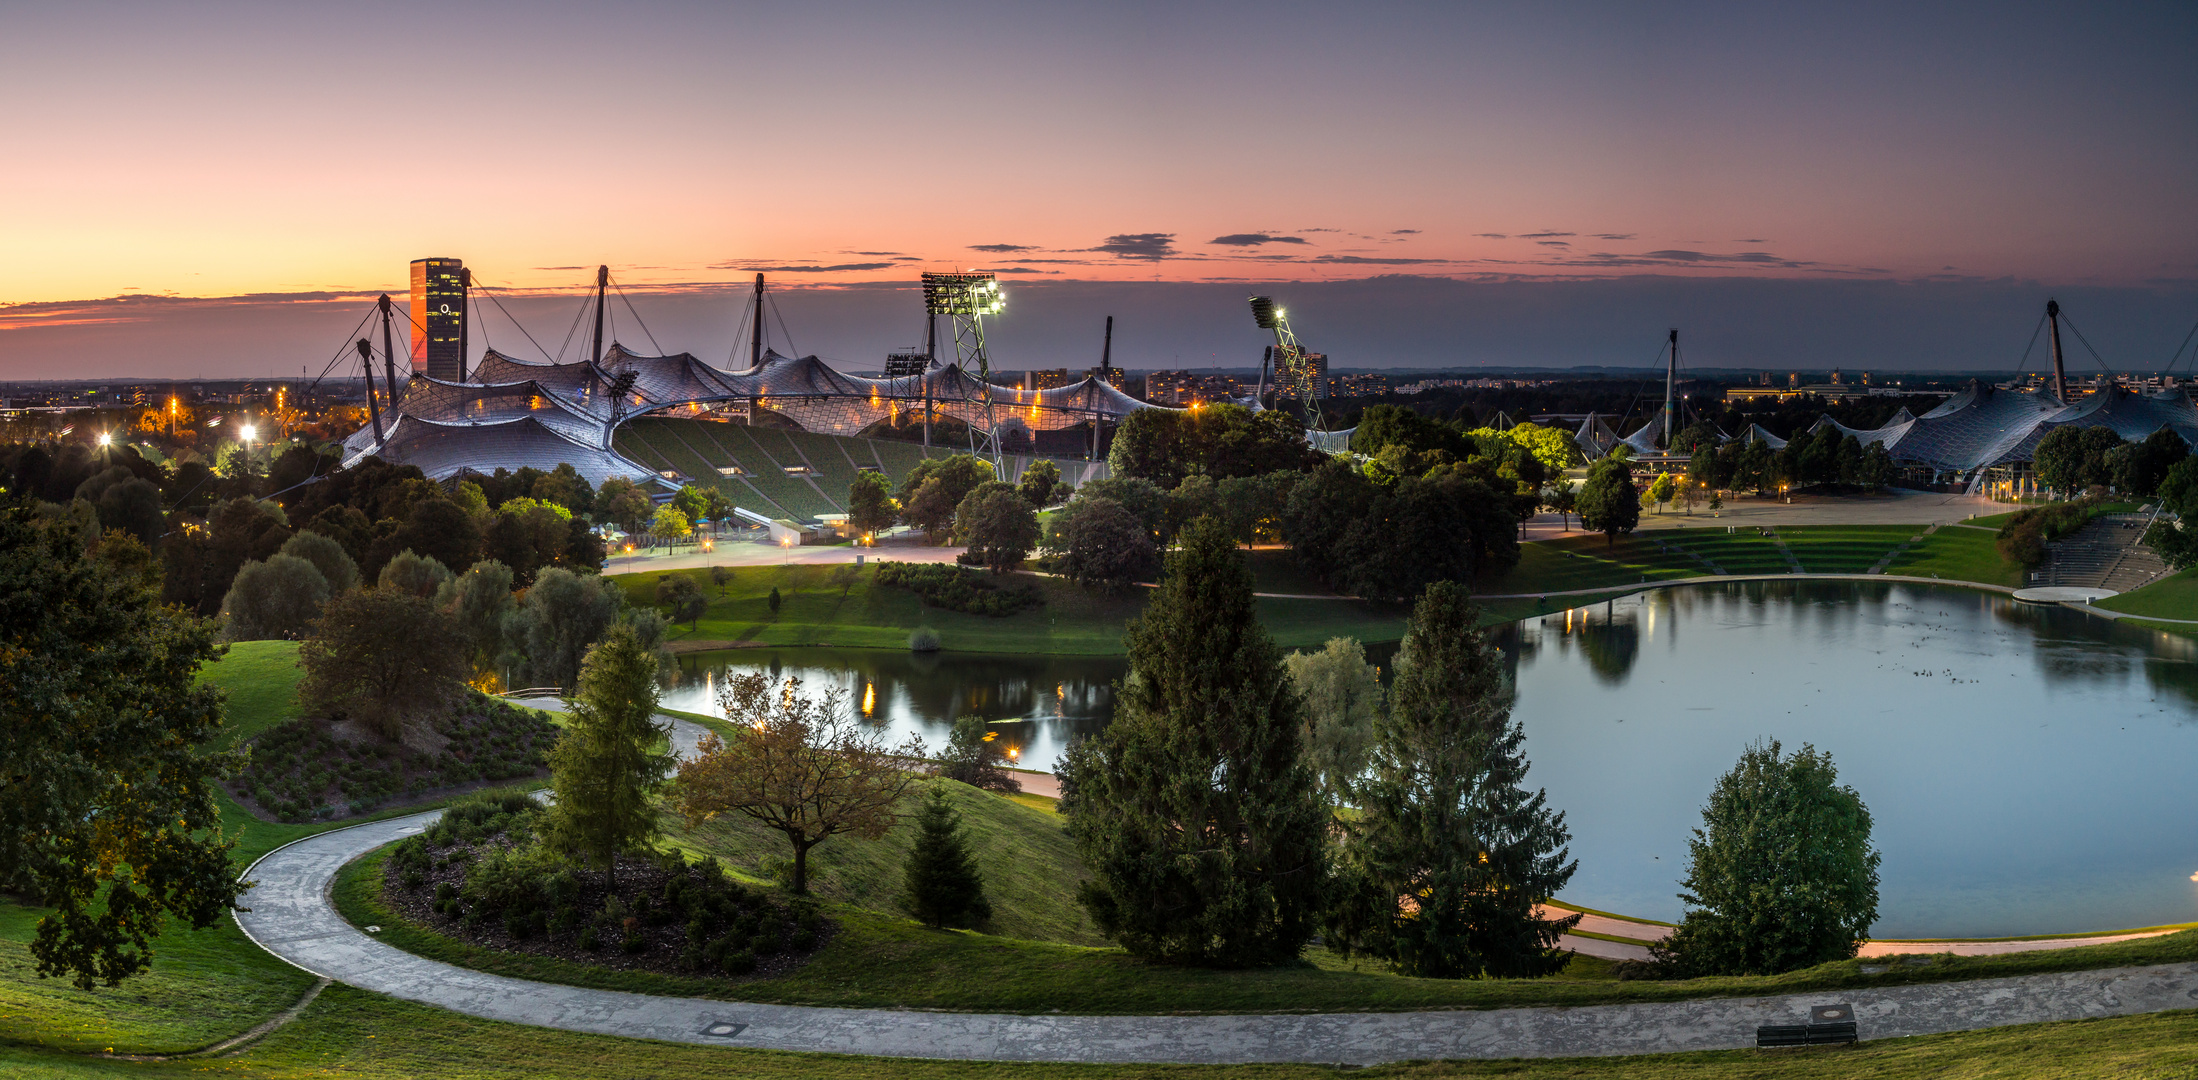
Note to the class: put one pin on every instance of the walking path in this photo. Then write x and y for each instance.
(289, 914)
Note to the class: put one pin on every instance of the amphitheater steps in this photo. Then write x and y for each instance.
(2104, 554)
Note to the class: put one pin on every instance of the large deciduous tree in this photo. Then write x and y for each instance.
(1782, 875)
(559, 617)
(1203, 827)
(386, 658)
(996, 523)
(275, 600)
(805, 767)
(870, 505)
(107, 806)
(605, 767)
(1343, 699)
(1608, 502)
(1444, 868)
(1097, 543)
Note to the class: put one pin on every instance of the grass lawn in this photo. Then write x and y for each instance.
(1030, 866)
(1958, 554)
(814, 610)
(204, 985)
(352, 1033)
(2171, 597)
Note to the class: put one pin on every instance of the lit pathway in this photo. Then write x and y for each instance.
(291, 916)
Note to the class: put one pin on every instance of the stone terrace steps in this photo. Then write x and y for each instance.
(2104, 554)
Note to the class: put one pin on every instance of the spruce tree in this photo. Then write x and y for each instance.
(1450, 855)
(1204, 830)
(943, 886)
(605, 766)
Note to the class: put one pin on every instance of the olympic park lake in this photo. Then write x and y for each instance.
(2029, 769)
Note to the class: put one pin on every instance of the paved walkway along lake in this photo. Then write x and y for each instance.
(291, 915)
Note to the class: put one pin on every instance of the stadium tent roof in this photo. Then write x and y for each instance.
(1987, 425)
(443, 450)
(1757, 433)
(1644, 440)
(1594, 437)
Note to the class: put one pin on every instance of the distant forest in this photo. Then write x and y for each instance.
(1632, 399)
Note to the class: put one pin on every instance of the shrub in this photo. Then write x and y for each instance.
(955, 589)
(923, 639)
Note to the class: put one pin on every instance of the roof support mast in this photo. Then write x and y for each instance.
(1106, 368)
(755, 335)
(373, 410)
(2060, 377)
(389, 355)
(1671, 378)
(602, 286)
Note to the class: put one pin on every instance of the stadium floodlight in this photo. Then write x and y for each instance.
(1295, 372)
(967, 298)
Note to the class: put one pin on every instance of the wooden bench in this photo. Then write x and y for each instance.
(1828, 1025)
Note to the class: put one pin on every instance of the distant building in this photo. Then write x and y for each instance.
(439, 319)
(1045, 380)
(1312, 382)
(1188, 387)
(1360, 385)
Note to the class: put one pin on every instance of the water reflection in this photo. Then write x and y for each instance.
(1037, 703)
(2028, 767)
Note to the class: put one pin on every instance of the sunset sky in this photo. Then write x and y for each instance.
(213, 189)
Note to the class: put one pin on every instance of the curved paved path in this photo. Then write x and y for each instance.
(290, 915)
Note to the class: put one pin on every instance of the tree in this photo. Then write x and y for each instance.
(949, 480)
(1563, 499)
(2177, 541)
(692, 504)
(807, 768)
(1609, 504)
(605, 768)
(1140, 497)
(996, 523)
(385, 658)
(560, 616)
(1876, 471)
(107, 804)
(480, 608)
(528, 534)
(1782, 874)
(416, 575)
(1450, 857)
(565, 487)
(123, 500)
(721, 576)
(870, 505)
(622, 502)
(682, 599)
(1661, 489)
(327, 556)
(942, 886)
(1202, 825)
(440, 530)
(1342, 695)
(275, 600)
(1098, 544)
(774, 600)
(1221, 441)
(669, 523)
(1042, 485)
(974, 757)
(2141, 470)
(1382, 426)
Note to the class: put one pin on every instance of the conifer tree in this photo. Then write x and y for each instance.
(1204, 830)
(605, 766)
(943, 886)
(1442, 871)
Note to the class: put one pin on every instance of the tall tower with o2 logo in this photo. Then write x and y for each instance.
(439, 318)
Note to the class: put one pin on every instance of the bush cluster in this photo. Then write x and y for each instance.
(958, 590)
(300, 771)
(2023, 539)
(480, 871)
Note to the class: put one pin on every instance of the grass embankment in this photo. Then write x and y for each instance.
(204, 985)
(356, 1034)
(816, 610)
(2171, 597)
(1590, 561)
(1030, 866)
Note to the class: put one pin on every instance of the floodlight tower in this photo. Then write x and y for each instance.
(967, 299)
(1293, 371)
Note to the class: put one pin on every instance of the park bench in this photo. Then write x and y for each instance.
(1828, 1025)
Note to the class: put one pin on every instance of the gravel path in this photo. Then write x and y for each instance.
(291, 915)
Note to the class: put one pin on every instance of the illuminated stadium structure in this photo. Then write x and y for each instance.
(513, 413)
